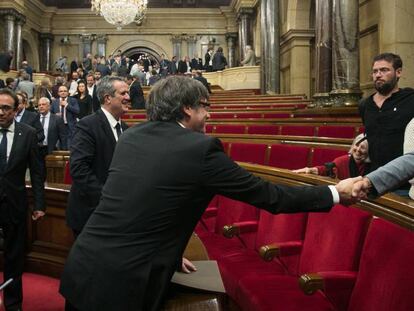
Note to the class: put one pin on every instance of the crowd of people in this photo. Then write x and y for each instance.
(129, 203)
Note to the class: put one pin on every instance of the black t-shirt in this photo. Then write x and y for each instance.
(385, 126)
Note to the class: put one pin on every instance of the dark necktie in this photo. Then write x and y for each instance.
(3, 151)
(118, 130)
(43, 121)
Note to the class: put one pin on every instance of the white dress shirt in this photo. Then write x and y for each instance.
(10, 137)
(112, 122)
(45, 126)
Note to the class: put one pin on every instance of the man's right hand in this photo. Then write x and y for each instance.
(361, 188)
(345, 190)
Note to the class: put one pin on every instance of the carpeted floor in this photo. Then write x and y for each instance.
(40, 293)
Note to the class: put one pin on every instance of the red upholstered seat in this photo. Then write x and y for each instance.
(246, 152)
(263, 129)
(385, 278)
(209, 128)
(230, 129)
(272, 115)
(289, 157)
(323, 155)
(280, 229)
(67, 178)
(218, 115)
(361, 129)
(298, 130)
(207, 222)
(248, 115)
(229, 211)
(336, 131)
(332, 245)
(139, 116)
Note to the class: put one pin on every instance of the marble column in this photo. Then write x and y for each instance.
(101, 44)
(46, 51)
(231, 39)
(9, 35)
(19, 41)
(86, 46)
(270, 47)
(191, 46)
(176, 41)
(323, 52)
(345, 53)
(245, 29)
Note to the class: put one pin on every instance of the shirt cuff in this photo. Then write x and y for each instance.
(335, 194)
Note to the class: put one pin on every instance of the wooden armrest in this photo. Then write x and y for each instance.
(327, 281)
(268, 252)
(289, 248)
(311, 282)
(229, 231)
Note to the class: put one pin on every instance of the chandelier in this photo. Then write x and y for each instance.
(120, 12)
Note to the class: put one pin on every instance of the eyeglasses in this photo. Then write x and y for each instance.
(383, 71)
(205, 104)
(5, 108)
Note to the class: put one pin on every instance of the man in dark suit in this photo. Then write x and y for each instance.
(173, 66)
(92, 148)
(199, 77)
(55, 132)
(163, 174)
(197, 63)
(18, 150)
(67, 108)
(90, 82)
(137, 94)
(28, 117)
(5, 61)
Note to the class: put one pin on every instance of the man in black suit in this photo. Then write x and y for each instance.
(28, 117)
(55, 132)
(163, 174)
(137, 94)
(18, 150)
(92, 148)
(199, 77)
(173, 66)
(91, 85)
(5, 61)
(67, 108)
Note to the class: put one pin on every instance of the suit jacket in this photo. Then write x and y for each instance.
(24, 153)
(161, 179)
(91, 153)
(197, 64)
(205, 82)
(32, 119)
(56, 131)
(182, 67)
(137, 95)
(96, 105)
(393, 173)
(72, 111)
(173, 68)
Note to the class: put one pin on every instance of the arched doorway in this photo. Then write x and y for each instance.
(136, 53)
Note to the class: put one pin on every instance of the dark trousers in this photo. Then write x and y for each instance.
(69, 306)
(14, 243)
(42, 159)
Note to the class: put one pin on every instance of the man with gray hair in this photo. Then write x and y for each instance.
(249, 57)
(91, 150)
(163, 174)
(55, 131)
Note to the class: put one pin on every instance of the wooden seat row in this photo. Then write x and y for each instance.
(335, 131)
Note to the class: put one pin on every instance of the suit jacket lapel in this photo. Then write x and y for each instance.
(17, 142)
(106, 126)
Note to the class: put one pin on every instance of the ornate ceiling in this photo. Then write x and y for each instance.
(151, 3)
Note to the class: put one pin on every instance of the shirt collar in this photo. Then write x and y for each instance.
(11, 127)
(112, 121)
(21, 112)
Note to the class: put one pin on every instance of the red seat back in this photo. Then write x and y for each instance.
(230, 129)
(336, 131)
(333, 241)
(386, 271)
(323, 155)
(298, 130)
(67, 178)
(289, 157)
(263, 129)
(245, 152)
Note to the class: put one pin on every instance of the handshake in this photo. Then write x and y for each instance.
(352, 190)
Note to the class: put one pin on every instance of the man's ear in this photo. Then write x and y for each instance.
(188, 111)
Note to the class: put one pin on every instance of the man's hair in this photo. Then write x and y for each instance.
(106, 87)
(45, 99)
(91, 74)
(6, 91)
(169, 96)
(9, 80)
(23, 95)
(394, 59)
